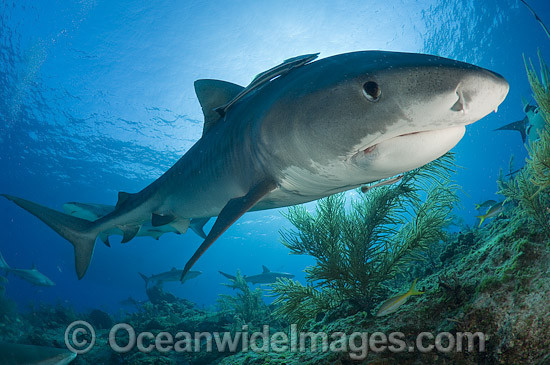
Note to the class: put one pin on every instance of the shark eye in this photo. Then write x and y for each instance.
(372, 91)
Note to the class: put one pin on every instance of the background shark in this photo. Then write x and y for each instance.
(33, 276)
(530, 126)
(92, 212)
(172, 275)
(266, 277)
(321, 128)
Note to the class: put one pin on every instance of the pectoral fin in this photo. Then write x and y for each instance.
(233, 210)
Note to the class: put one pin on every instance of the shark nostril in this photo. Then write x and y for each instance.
(459, 106)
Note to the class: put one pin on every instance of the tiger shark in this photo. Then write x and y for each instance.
(303, 130)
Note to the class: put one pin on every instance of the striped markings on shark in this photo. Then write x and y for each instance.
(266, 277)
(32, 275)
(301, 131)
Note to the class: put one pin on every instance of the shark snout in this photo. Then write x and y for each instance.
(479, 93)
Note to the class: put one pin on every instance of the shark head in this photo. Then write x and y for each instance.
(363, 116)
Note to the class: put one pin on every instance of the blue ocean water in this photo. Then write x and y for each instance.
(97, 97)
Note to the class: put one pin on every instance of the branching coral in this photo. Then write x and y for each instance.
(358, 248)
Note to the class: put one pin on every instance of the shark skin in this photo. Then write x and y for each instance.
(16, 354)
(324, 127)
(266, 277)
(33, 276)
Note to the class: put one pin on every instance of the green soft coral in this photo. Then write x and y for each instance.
(359, 247)
(531, 186)
(247, 306)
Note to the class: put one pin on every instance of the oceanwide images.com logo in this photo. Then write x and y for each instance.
(80, 337)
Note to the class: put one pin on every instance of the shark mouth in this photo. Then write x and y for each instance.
(373, 147)
(407, 151)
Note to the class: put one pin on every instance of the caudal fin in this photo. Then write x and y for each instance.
(413, 291)
(482, 219)
(3, 264)
(77, 231)
(144, 277)
(230, 277)
(518, 126)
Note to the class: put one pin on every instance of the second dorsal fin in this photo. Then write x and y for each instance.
(122, 198)
(212, 94)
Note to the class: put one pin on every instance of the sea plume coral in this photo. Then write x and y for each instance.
(531, 186)
(360, 246)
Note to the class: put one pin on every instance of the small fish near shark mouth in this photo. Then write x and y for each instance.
(300, 131)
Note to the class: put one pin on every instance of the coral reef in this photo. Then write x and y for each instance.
(497, 286)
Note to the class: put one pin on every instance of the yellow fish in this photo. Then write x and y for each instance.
(392, 304)
(492, 212)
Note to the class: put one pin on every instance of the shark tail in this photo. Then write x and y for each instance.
(3, 264)
(144, 277)
(230, 277)
(519, 126)
(77, 231)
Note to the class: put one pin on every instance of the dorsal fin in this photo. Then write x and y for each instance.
(212, 94)
(122, 198)
(265, 269)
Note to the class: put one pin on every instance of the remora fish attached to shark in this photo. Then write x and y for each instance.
(300, 133)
